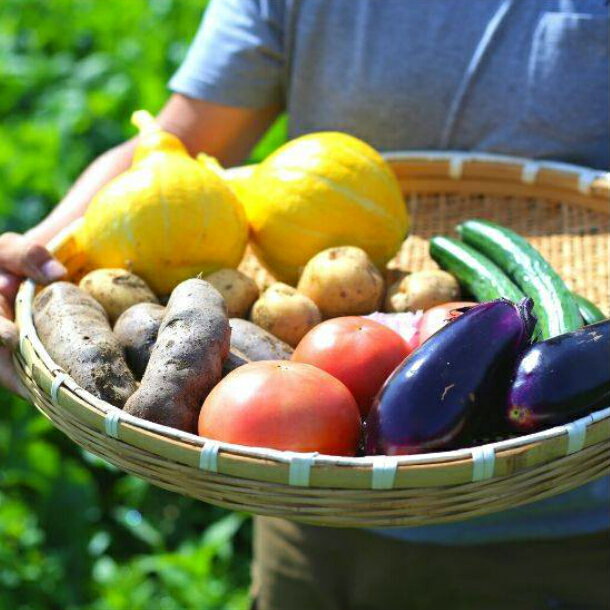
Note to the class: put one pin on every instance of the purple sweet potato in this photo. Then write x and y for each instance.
(74, 329)
(137, 329)
(256, 343)
(234, 360)
(186, 361)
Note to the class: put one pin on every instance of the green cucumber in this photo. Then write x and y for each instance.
(554, 305)
(476, 273)
(590, 312)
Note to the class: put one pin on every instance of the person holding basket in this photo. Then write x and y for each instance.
(502, 76)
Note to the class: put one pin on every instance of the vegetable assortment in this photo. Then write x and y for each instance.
(314, 365)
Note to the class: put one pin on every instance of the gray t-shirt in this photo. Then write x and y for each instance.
(523, 77)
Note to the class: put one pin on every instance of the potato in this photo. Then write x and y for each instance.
(234, 360)
(238, 290)
(422, 290)
(256, 343)
(342, 282)
(116, 290)
(74, 328)
(285, 313)
(186, 361)
(137, 329)
(393, 275)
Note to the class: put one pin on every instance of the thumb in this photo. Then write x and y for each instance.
(23, 257)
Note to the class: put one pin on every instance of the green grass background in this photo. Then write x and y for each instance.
(75, 533)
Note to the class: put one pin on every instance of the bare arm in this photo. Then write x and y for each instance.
(227, 133)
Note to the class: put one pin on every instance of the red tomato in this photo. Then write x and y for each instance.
(361, 353)
(282, 405)
(436, 317)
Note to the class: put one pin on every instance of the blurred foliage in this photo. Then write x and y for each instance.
(72, 72)
(75, 533)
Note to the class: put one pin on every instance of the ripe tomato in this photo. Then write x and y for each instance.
(361, 353)
(436, 317)
(282, 405)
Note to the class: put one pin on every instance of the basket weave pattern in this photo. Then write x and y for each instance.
(562, 210)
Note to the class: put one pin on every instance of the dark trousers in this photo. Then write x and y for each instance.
(301, 567)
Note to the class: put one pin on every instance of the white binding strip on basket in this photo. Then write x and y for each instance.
(529, 173)
(384, 472)
(60, 379)
(586, 178)
(112, 423)
(456, 166)
(299, 469)
(208, 459)
(483, 462)
(577, 432)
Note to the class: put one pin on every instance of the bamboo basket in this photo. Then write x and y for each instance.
(561, 209)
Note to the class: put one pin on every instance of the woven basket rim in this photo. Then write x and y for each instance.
(582, 181)
(586, 177)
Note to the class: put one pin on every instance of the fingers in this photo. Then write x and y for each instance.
(22, 257)
(19, 257)
(9, 285)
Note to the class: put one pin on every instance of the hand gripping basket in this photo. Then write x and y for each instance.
(562, 209)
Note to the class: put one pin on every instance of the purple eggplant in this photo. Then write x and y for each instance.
(561, 378)
(462, 369)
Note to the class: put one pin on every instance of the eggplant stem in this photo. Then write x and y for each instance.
(526, 310)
